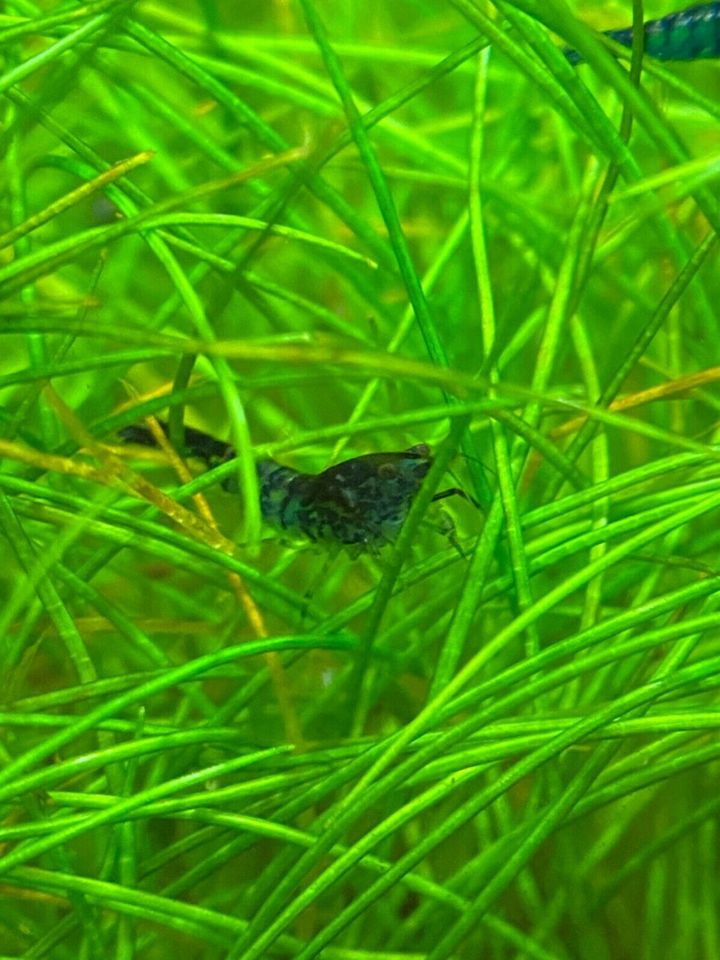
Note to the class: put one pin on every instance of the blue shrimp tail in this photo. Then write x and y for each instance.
(691, 34)
(195, 442)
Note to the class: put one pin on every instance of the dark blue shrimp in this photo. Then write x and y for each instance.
(692, 34)
(361, 503)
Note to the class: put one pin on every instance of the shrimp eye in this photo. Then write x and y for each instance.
(387, 471)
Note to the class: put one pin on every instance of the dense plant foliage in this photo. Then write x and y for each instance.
(315, 231)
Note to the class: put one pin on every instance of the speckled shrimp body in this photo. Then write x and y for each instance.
(360, 503)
